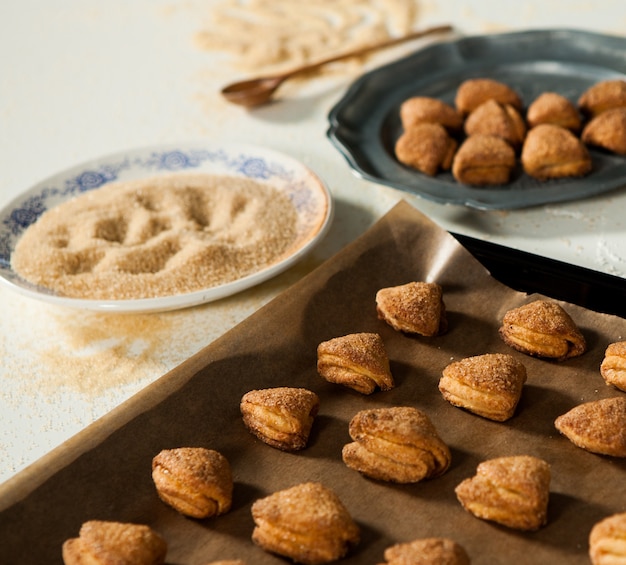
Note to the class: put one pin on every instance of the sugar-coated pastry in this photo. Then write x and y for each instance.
(195, 481)
(307, 523)
(551, 152)
(358, 361)
(602, 96)
(607, 541)
(428, 110)
(501, 120)
(489, 385)
(598, 426)
(413, 308)
(613, 366)
(106, 543)
(542, 329)
(608, 131)
(484, 160)
(398, 444)
(427, 551)
(553, 108)
(512, 491)
(473, 92)
(281, 417)
(427, 148)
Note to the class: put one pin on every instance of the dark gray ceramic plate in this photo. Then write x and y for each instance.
(365, 124)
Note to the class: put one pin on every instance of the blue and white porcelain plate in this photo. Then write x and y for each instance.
(308, 193)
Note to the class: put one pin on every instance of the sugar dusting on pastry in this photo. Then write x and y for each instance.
(489, 385)
(307, 523)
(427, 551)
(414, 308)
(513, 491)
(193, 480)
(598, 426)
(282, 417)
(543, 328)
(358, 361)
(398, 444)
(103, 542)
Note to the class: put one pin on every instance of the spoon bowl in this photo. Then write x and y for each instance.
(253, 92)
(259, 91)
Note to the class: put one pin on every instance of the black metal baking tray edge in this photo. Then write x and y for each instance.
(530, 273)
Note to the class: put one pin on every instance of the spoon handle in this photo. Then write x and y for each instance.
(368, 48)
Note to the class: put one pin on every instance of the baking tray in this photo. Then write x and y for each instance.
(104, 472)
(530, 273)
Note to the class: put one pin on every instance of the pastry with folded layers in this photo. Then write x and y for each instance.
(474, 92)
(413, 308)
(613, 366)
(598, 426)
(512, 491)
(398, 444)
(281, 417)
(608, 131)
(195, 481)
(358, 361)
(427, 148)
(307, 523)
(484, 160)
(489, 385)
(428, 110)
(553, 108)
(603, 96)
(427, 551)
(542, 328)
(104, 542)
(501, 120)
(607, 541)
(552, 152)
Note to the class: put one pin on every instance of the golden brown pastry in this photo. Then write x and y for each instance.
(358, 361)
(484, 160)
(553, 108)
(489, 385)
(227, 562)
(427, 148)
(398, 444)
(512, 491)
(607, 541)
(307, 523)
(427, 551)
(613, 366)
(602, 96)
(542, 329)
(106, 543)
(608, 131)
(281, 417)
(195, 481)
(598, 426)
(473, 92)
(551, 152)
(501, 120)
(427, 110)
(413, 308)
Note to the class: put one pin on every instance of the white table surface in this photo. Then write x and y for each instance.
(80, 79)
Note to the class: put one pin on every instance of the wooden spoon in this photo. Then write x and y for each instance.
(258, 91)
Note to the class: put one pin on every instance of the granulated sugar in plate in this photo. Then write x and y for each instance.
(156, 237)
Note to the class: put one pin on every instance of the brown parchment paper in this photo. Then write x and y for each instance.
(104, 473)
